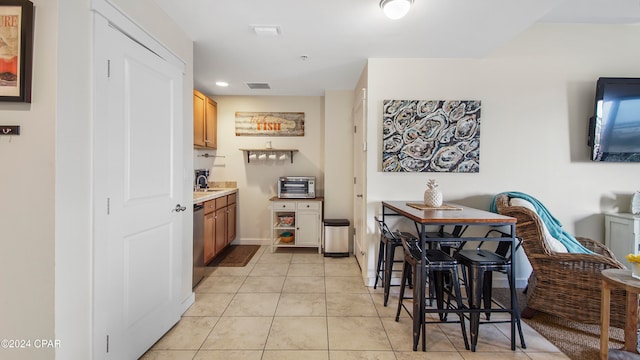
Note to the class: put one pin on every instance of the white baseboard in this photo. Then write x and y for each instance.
(184, 305)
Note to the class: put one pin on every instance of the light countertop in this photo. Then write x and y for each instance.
(199, 196)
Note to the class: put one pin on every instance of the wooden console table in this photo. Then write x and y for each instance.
(619, 278)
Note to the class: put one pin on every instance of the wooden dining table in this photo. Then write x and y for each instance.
(454, 215)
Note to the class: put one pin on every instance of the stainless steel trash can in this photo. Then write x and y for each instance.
(336, 237)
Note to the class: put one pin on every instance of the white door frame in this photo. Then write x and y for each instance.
(359, 115)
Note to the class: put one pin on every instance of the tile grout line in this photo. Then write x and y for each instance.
(380, 312)
(326, 306)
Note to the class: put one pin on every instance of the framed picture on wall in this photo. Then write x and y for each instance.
(431, 136)
(16, 50)
(269, 123)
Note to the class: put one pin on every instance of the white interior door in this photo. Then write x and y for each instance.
(137, 262)
(359, 181)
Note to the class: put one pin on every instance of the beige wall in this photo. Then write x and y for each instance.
(257, 180)
(537, 94)
(338, 152)
(27, 200)
(324, 151)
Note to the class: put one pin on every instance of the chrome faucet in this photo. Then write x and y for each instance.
(197, 185)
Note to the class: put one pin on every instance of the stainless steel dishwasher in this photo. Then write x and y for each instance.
(198, 243)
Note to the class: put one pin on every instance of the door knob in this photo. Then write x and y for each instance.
(179, 208)
(359, 195)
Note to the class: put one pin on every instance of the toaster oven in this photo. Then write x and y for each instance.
(297, 187)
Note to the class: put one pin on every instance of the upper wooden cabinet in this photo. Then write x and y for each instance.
(205, 121)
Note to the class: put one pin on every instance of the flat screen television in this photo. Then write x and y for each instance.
(614, 130)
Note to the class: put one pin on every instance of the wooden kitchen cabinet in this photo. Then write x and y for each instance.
(209, 230)
(219, 225)
(231, 218)
(205, 121)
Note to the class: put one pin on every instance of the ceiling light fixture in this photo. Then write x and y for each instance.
(222, 83)
(395, 9)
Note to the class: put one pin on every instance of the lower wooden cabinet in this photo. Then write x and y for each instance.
(231, 218)
(209, 230)
(219, 225)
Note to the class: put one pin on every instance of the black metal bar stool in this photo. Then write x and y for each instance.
(454, 235)
(438, 264)
(449, 247)
(480, 264)
(386, 258)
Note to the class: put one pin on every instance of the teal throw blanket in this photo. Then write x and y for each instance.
(553, 225)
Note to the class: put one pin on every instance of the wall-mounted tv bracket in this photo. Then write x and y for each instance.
(9, 130)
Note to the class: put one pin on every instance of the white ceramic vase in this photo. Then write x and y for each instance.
(432, 198)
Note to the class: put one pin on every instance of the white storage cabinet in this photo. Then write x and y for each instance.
(301, 217)
(622, 235)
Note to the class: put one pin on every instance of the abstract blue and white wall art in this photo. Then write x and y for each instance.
(431, 136)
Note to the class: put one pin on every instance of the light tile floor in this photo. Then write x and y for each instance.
(297, 304)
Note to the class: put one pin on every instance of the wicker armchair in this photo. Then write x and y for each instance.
(567, 285)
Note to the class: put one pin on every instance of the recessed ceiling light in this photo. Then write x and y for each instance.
(266, 30)
(222, 83)
(395, 9)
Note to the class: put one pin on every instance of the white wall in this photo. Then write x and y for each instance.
(537, 94)
(257, 181)
(27, 200)
(73, 185)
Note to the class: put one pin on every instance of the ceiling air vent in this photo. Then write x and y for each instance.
(258, 86)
